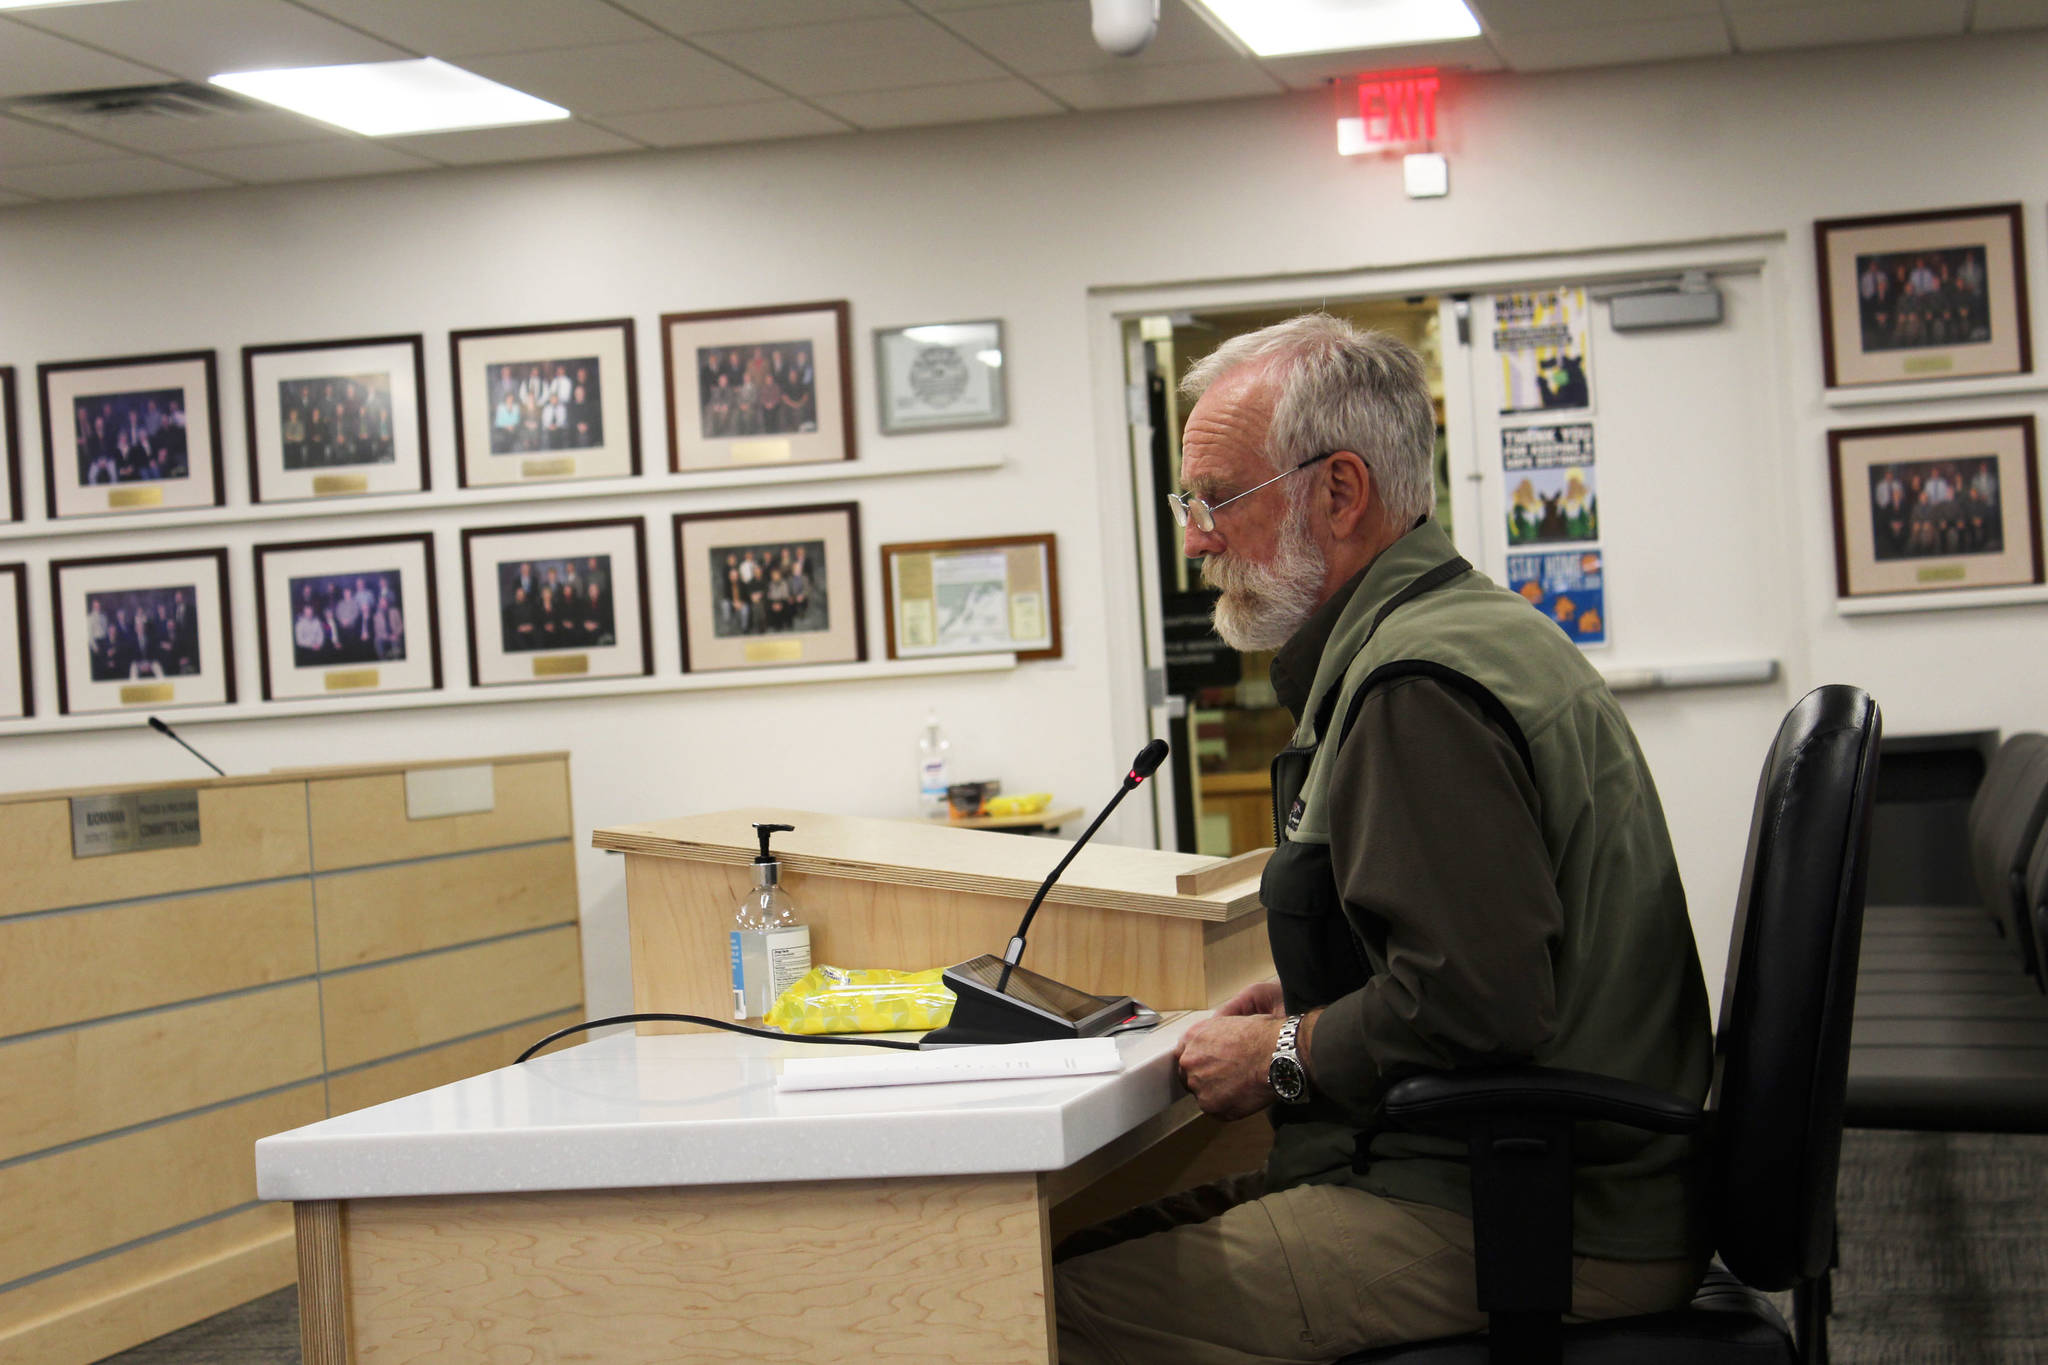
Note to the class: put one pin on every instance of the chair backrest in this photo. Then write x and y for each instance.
(2005, 820)
(1782, 1051)
(2034, 900)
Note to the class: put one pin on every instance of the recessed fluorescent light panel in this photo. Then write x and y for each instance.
(383, 99)
(1286, 28)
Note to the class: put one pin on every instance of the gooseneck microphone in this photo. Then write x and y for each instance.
(163, 729)
(1143, 766)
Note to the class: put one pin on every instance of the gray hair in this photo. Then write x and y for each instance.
(1340, 387)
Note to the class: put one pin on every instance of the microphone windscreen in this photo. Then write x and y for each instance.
(156, 723)
(1148, 760)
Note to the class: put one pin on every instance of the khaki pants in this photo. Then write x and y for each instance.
(1222, 1276)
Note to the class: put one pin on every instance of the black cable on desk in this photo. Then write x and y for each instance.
(726, 1024)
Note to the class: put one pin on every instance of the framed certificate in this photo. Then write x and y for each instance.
(973, 597)
(940, 376)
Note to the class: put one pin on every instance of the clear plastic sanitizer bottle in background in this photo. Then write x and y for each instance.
(770, 950)
(931, 769)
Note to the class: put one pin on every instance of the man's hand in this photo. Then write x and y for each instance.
(1223, 1062)
(1261, 997)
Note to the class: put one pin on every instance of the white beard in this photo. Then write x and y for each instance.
(1263, 605)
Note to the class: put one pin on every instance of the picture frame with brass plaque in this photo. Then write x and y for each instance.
(17, 675)
(940, 376)
(332, 419)
(1935, 295)
(770, 587)
(557, 602)
(10, 449)
(758, 387)
(1934, 507)
(142, 632)
(544, 403)
(999, 593)
(345, 618)
(131, 434)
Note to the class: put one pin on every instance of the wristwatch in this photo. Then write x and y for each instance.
(1285, 1073)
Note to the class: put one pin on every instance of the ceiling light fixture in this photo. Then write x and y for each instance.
(383, 99)
(1286, 28)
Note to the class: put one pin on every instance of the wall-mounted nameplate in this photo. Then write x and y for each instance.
(336, 485)
(547, 469)
(431, 793)
(560, 665)
(130, 822)
(345, 680)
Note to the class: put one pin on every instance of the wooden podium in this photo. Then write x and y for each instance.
(909, 895)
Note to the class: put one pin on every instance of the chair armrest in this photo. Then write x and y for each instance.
(1530, 1091)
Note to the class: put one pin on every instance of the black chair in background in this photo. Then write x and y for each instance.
(1771, 1131)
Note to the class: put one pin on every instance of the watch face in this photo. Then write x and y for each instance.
(1289, 1082)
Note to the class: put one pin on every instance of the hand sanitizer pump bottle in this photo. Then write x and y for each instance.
(770, 950)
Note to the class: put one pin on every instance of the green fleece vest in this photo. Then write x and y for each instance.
(1630, 999)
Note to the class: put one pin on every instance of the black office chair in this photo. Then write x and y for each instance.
(1771, 1133)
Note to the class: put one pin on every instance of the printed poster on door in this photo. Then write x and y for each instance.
(1541, 339)
(1569, 587)
(1552, 491)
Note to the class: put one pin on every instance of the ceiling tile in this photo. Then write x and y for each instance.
(1138, 85)
(36, 63)
(932, 104)
(1309, 72)
(725, 123)
(526, 142)
(718, 16)
(1052, 37)
(620, 77)
(201, 38)
(866, 54)
(1614, 44)
(461, 28)
(1523, 16)
(1998, 16)
(99, 179)
(324, 160)
(146, 133)
(1863, 22)
(30, 144)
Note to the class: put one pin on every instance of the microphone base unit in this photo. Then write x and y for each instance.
(1032, 1008)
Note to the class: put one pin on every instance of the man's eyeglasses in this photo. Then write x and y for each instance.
(1199, 511)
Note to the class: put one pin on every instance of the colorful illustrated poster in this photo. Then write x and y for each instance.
(1568, 587)
(1541, 338)
(1552, 495)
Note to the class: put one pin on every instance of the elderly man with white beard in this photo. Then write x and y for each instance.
(1473, 870)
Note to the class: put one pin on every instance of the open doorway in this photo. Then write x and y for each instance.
(1224, 721)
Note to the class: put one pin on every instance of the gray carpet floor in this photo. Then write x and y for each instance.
(1944, 1262)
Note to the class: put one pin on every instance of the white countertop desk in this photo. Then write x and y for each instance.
(655, 1198)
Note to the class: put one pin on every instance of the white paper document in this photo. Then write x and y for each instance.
(1008, 1062)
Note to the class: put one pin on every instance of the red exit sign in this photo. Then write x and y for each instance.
(1392, 111)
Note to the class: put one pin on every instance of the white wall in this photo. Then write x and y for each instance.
(1022, 220)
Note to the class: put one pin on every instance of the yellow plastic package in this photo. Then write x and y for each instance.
(862, 1000)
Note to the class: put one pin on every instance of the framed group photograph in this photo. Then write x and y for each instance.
(536, 404)
(758, 386)
(941, 375)
(973, 597)
(346, 617)
(559, 602)
(131, 434)
(336, 418)
(142, 631)
(770, 587)
(10, 449)
(1936, 506)
(17, 679)
(1935, 295)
